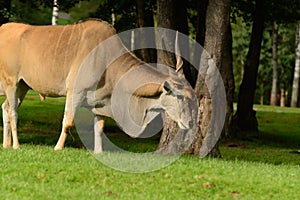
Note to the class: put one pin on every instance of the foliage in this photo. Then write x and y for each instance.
(32, 12)
(285, 13)
(37, 12)
(84, 9)
(286, 54)
(124, 11)
(265, 70)
(286, 59)
(240, 42)
(241, 32)
(275, 10)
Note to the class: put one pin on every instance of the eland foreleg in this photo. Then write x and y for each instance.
(98, 130)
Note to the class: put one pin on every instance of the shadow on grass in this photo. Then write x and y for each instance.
(36, 135)
(278, 141)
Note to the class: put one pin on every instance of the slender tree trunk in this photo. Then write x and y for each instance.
(113, 17)
(282, 97)
(245, 118)
(295, 90)
(145, 19)
(226, 70)
(273, 101)
(5, 6)
(54, 12)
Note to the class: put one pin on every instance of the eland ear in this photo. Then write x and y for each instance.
(165, 55)
(179, 61)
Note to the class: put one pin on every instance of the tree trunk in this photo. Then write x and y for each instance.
(200, 36)
(55, 13)
(171, 14)
(273, 101)
(226, 70)
(295, 90)
(245, 118)
(5, 6)
(201, 19)
(282, 97)
(145, 19)
(217, 24)
(218, 43)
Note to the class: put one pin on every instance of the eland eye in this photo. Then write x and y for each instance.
(168, 92)
(167, 89)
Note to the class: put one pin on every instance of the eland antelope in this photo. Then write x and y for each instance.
(66, 61)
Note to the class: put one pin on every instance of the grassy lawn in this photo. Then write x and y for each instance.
(261, 168)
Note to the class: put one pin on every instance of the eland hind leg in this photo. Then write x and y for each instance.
(15, 96)
(73, 102)
(6, 126)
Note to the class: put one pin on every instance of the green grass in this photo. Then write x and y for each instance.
(37, 172)
(262, 168)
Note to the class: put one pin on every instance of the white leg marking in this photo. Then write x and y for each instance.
(98, 130)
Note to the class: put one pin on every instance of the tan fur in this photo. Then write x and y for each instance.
(67, 61)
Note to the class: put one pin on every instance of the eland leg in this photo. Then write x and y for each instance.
(72, 104)
(15, 97)
(6, 126)
(98, 130)
(11, 94)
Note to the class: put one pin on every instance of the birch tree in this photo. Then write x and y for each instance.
(55, 13)
(295, 90)
(273, 101)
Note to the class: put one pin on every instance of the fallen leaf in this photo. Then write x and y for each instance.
(207, 184)
(235, 195)
(201, 176)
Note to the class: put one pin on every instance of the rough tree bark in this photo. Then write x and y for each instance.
(218, 43)
(171, 14)
(5, 6)
(295, 90)
(245, 118)
(273, 101)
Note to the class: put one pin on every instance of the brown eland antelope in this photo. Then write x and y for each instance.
(66, 61)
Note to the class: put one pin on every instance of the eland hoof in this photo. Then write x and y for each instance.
(5, 146)
(97, 152)
(57, 148)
